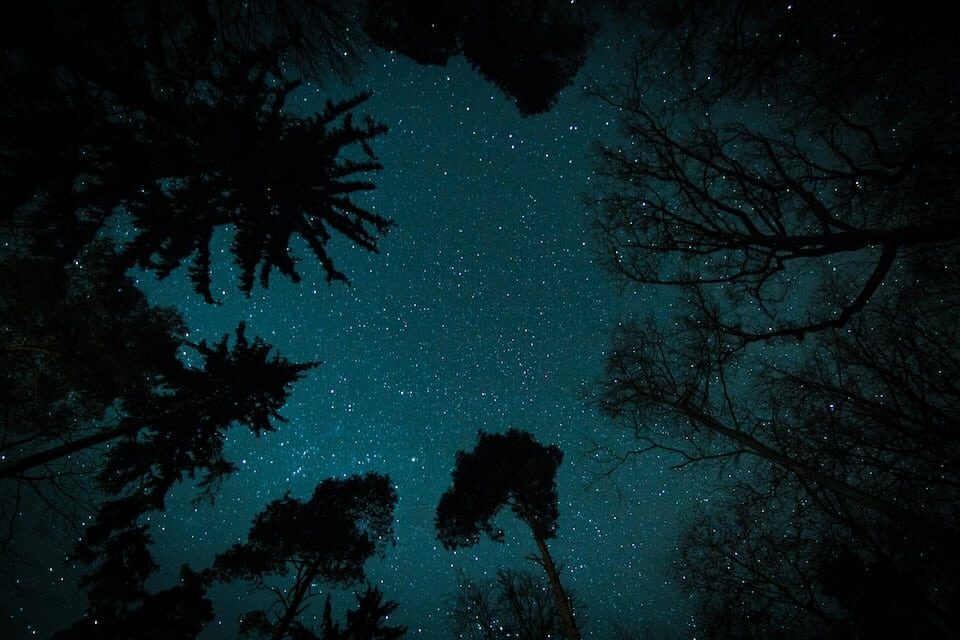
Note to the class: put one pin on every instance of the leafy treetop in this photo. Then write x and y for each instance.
(504, 469)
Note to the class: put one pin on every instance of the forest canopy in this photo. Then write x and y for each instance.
(786, 174)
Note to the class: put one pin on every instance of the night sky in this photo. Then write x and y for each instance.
(483, 310)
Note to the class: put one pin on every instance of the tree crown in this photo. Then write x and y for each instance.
(504, 469)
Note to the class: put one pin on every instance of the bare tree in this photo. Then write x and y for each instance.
(513, 604)
(797, 180)
(756, 181)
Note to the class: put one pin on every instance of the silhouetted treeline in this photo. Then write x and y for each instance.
(791, 171)
(131, 133)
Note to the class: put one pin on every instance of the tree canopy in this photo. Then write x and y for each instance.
(763, 178)
(327, 538)
(510, 469)
(530, 49)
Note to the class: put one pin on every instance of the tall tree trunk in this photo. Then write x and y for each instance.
(13, 468)
(563, 602)
(129, 425)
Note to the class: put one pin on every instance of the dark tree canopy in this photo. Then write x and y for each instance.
(800, 145)
(366, 622)
(510, 469)
(176, 434)
(76, 343)
(327, 538)
(530, 49)
(130, 134)
(268, 175)
(178, 613)
(790, 171)
(342, 525)
(173, 117)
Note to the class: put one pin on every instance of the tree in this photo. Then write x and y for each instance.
(788, 171)
(176, 432)
(366, 621)
(76, 345)
(514, 470)
(181, 131)
(755, 207)
(177, 428)
(530, 49)
(180, 612)
(130, 133)
(846, 444)
(327, 538)
(764, 564)
(514, 604)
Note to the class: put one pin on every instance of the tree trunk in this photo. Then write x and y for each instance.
(563, 602)
(13, 468)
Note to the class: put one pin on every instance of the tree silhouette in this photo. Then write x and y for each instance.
(176, 433)
(180, 612)
(130, 133)
(76, 344)
(175, 119)
(177, 428)
(753, 205)
(365, 622)
(530, 49)
(514, 470)
(796, 182)
(514, 604)
(327, 538)
(691, 383)
(849, 440)
(765, 565)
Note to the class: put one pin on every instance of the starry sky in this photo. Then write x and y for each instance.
(483, 310)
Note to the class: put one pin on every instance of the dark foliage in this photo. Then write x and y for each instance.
(182, 430)
(769, 565)
(799, 183)
(344, 523)
(76, 344)
(530, 49)
(510, 469)
(174, 434)
(173, 117)
(425, 31)
(328, 539)
(269, 176)
(797, 54)
(130, 133)
(177, 613)
(366, 622)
